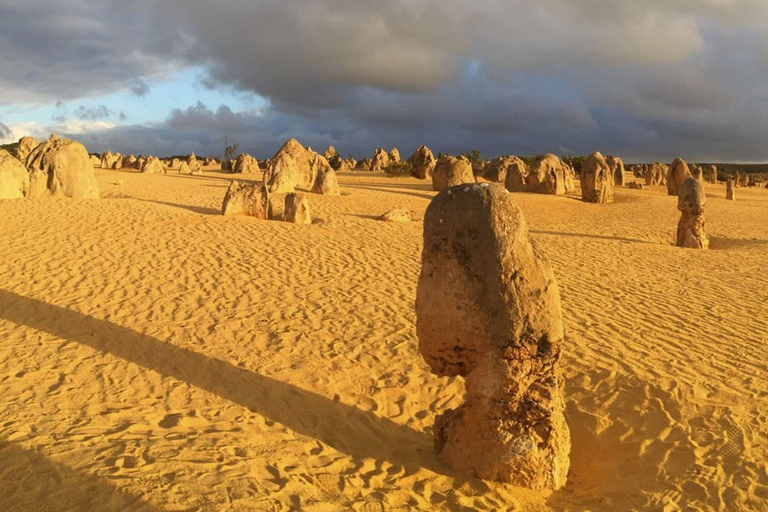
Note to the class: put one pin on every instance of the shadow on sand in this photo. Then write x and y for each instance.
(584, 235)
(392, 189)
(721, 243)
(202, 210)
(32, 482)
(348, 429)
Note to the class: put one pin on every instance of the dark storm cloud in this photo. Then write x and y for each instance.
(646, 80)
(139, 87)
(93, 113)
(69, 50)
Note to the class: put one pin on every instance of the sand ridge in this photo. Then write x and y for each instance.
(174, 359)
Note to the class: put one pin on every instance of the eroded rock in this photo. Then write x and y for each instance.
(61, 167)
(488, 309)
(246, 199)
(14, 178)
(422, 163)
(691, 202)
(450, 171)
(678, 173)
(596, 180)
(297, 209)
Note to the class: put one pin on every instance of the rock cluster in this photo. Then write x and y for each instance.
(691, 201)
(488, 309)
(380, 160)
(153, 165)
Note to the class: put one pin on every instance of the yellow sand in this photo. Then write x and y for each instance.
(155, 355)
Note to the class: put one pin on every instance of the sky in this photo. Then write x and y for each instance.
(645, 80)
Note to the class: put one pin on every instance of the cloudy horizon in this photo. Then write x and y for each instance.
(647, 82)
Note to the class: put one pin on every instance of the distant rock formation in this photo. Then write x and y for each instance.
(380, 160)
(730, 189)
(394, 156)
(691, 228)
(245, 164)
(61, 168)
(488, 309)
(546, 176)
(616, 165)
(153, 165)
(596, 180)
(450, 171)
(422, 163)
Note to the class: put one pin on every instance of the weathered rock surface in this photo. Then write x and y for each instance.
(246, 199)
(678, 173)
(285, 175)
(380, 160)
(26, 146)
(450, 171)
(297, 209)
(515, 175)
(305, 172)
(546, 176)
(326, 183)
(635, 185)
(730, 189)
(61, 167)
(109, 159)
(422, 163)
(616, 165)
(496, 170)
(394, 156)
(14, 178)
(330, 152)
(655, 174)
(153, 165)
(397, 215)
(488, 309)
(596, 180)
(246, 164)
(366, 164)
(710, 175)
(691, 202)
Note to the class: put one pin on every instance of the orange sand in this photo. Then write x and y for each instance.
(155, 355)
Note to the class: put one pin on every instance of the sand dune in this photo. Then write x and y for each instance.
(155, 355)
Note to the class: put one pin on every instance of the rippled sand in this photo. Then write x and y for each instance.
(155, 355)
